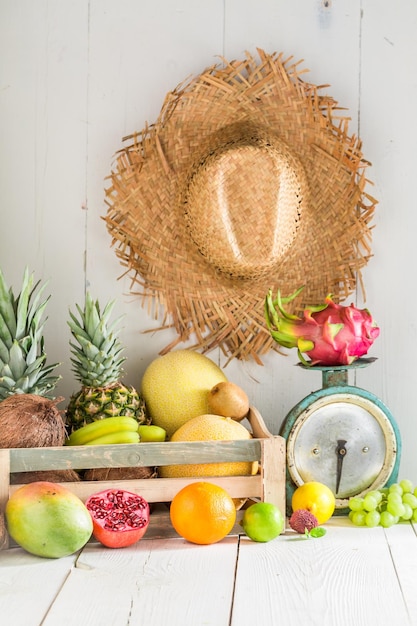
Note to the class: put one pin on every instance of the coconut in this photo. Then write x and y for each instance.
(120, 473)
(52, 476)
(30, 421)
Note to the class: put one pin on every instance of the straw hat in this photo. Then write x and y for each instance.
(248, 180)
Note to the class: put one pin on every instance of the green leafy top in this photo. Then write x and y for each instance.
(96, 351)
(23, 366)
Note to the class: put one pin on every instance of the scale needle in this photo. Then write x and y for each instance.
(341, 452)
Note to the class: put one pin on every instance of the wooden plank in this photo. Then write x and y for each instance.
(131, 455)
(4, 495)
(346, 577)
(273, 472)
(29, 584)
(402, 543)
(164, 489)
(44, 49)
(167, 581)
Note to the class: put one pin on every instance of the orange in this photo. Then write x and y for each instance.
(210, 428)
(202, 513)
(316, 498)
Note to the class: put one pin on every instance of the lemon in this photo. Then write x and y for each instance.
(316, 498)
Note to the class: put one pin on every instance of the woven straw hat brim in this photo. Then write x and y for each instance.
(156, 212)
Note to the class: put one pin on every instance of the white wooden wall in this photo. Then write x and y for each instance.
(78, 75)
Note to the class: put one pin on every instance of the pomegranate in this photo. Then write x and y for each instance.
(48, 520)
(120, 518)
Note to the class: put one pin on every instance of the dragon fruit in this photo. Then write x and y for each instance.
(329, 334)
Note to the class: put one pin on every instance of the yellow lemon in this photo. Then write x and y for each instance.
(316, 498)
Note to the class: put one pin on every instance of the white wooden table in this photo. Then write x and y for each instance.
(351, 576)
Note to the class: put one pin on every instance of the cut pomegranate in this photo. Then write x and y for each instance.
(120, 518)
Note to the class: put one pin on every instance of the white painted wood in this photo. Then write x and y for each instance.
(389, 129)
(403, 548)
(43, 121)
(154, 582)
(29, 584)
(350, 576)
(345, 578)
(75, 77)
(138, 51)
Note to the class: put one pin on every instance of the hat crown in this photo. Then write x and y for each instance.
(243, 205)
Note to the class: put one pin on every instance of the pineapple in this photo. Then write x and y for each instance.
(97, 364)
(23, 368)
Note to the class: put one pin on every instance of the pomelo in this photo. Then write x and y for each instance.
(210, 428)
(175, 387)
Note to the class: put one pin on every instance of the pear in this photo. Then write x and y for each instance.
(229, 400)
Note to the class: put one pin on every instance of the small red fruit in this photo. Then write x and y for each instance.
(120, 518)
(302, 520)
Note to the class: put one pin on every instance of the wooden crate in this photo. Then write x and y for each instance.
(267, 485)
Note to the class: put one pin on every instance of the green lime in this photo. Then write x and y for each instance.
(262, 521)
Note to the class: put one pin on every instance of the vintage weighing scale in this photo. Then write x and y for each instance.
(342, 436)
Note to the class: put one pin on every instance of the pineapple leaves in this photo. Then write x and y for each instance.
(4, 351)
(7, 309)
(28, 310)
(6, 334)
(17, 364)
(96, 354)
(22, 355)
(22, 303)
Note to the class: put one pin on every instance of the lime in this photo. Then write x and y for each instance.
(262, 521)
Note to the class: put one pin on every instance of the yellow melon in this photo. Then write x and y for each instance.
(175, 387)
(208, 428)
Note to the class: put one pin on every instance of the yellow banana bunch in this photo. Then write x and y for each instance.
(121, 429)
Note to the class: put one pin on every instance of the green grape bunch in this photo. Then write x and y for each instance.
(385, 507)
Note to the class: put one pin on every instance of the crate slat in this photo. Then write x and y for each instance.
(133, 455)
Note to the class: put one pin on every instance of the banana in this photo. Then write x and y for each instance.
(126, 436)
(100, 428)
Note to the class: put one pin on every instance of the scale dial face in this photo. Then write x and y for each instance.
(344, 439)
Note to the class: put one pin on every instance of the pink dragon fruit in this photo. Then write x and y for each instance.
(329, 334)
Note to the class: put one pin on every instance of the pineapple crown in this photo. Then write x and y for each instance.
(97, 359)
(23, 366)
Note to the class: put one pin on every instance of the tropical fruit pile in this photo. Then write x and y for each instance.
(183, 396)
